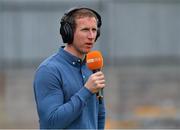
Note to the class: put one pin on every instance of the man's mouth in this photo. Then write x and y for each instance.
(89, 44)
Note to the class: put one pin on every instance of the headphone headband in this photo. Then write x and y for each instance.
(70, 12)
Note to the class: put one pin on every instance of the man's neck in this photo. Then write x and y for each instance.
(70, 49)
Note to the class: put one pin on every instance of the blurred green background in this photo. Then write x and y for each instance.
(140, 42)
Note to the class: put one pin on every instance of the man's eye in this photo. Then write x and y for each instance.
(85, 29)
(94, 30)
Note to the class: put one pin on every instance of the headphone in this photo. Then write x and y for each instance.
(66, 29)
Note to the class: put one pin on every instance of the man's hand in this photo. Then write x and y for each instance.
(95, 82)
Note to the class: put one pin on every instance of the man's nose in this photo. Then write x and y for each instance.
(91, 34)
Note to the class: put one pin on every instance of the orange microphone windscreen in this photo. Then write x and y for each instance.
(94, 60)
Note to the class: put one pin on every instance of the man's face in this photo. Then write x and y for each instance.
(84, 35)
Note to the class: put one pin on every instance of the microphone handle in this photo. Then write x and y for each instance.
(100, 96)
(94, 71)
(100, 93)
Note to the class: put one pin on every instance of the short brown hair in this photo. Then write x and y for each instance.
(81, 13)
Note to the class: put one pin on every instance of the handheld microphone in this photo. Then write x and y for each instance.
(94, 62)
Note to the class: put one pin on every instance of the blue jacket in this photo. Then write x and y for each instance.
(61, 98)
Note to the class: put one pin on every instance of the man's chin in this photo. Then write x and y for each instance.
(86, 51)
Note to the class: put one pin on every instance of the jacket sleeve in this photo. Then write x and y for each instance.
(52, 110)
(101, 116)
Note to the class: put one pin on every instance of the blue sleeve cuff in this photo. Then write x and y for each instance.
(84, 94)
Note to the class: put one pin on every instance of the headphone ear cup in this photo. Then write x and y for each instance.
(98, 34)
(66, 32)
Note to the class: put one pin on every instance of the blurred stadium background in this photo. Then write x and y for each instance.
(140, 41)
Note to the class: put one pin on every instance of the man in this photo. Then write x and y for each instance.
(65, 89)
